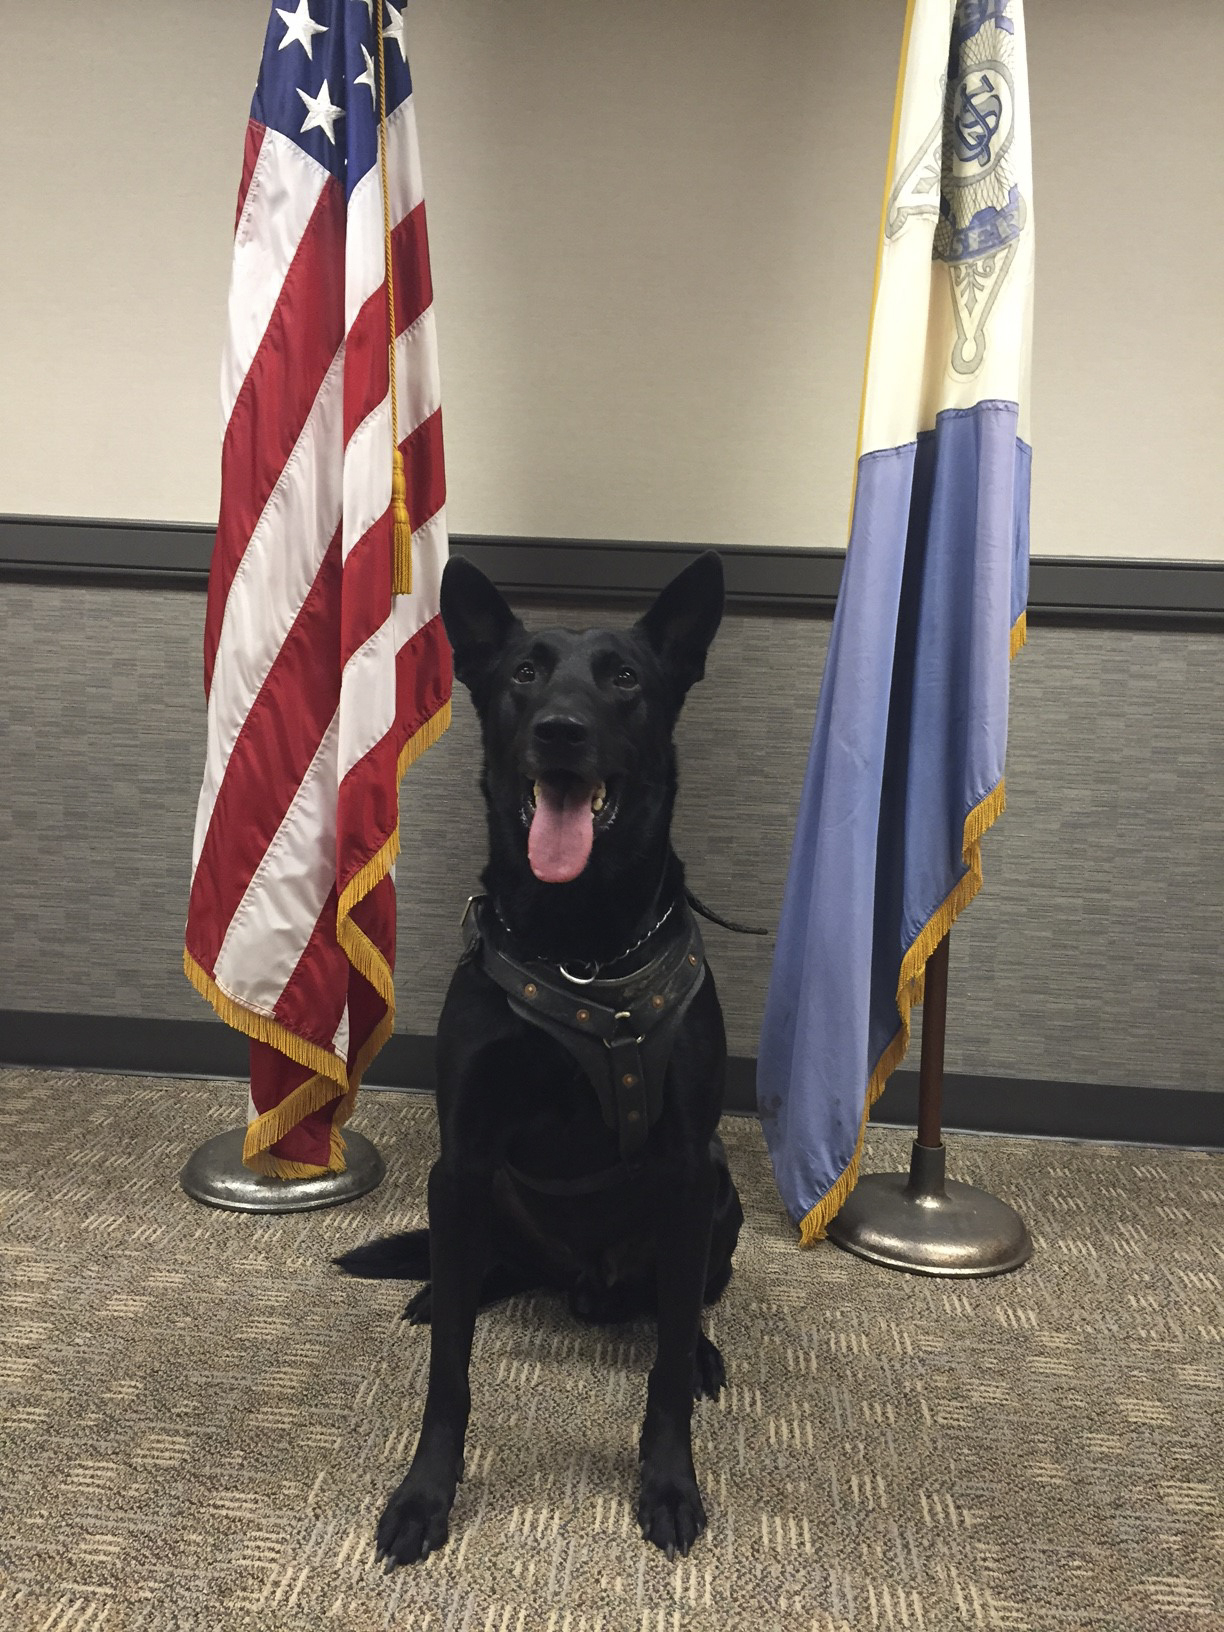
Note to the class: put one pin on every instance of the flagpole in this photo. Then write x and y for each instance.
(922, 1221)
(934, 1030)
(216, 1175)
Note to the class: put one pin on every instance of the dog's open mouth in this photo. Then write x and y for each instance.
(563, 813)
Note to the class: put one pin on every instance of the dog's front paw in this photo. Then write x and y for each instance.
(670, 1512)
(414, 1521)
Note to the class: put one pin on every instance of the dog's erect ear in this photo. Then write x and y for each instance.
(685, 618)
(478, 621)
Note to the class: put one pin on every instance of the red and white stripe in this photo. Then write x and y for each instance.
(316, 676)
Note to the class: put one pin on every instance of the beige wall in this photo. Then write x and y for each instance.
(653, 230)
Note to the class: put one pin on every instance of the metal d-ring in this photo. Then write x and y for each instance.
(624, 1014)
(581, 980)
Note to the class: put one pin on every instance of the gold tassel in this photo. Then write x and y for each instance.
(401, 580)
(1019, 634)
(401, 526)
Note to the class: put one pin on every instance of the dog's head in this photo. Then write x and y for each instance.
(578, 725)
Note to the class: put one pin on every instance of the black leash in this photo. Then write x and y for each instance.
(715, 918)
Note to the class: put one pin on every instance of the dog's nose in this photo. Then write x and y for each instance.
(560, 731)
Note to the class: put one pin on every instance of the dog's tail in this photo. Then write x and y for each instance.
(390, 1258)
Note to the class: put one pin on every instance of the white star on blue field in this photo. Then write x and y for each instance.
(316, 54)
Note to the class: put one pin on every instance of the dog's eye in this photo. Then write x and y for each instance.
(525, 673)
(625, 678)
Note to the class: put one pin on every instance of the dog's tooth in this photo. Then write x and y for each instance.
(601, 793)
(535, 793)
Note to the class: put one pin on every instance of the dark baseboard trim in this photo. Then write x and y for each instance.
(120, 1044)
(175, 555)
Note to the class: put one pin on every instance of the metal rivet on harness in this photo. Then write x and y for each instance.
(629, 1079)
(633, 1116)
(693, 959)
(530, 989)
(584, 1015)
(656, 1002)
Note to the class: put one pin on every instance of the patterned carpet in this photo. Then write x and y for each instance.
(200, 1419)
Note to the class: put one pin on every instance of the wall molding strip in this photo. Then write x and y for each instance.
(128, 1045)
(150, 554)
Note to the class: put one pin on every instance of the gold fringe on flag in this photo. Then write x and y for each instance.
(332, 1080)
(278, 1167)
(360, 950)
(263, 1027)
(425, 737)
(257, 1155)
(273, 1125)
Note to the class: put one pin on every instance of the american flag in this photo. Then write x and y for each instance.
(322, 684)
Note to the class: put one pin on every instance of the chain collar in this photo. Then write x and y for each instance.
(591, 965)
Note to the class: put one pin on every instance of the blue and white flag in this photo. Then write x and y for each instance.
(906, 766)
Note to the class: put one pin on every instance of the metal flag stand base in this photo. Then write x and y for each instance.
(923, 1221)
(215, 1175)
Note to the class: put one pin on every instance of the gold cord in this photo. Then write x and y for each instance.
(401, 526)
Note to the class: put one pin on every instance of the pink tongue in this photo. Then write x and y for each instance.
(562, 832)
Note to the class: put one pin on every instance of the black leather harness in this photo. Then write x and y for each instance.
(620, 1031)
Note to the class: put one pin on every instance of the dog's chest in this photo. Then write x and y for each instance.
(562, 1136)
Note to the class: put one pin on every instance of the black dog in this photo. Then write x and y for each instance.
(581, 1052)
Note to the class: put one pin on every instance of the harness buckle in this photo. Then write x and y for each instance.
(469, 929)
(611, 1042)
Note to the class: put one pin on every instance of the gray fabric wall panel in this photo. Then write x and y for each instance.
(101, 741)
(1088, 956)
